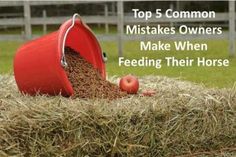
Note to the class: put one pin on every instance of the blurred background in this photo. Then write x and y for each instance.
(25, 20)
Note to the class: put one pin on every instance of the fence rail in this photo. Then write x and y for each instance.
(120, 19)
(35, 3)
(220, 17)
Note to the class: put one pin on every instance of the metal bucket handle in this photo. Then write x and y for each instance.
(63, 58)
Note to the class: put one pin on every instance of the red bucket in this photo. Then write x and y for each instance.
(39, 64)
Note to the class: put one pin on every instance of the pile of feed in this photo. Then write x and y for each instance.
(181, 119)
(87, 82)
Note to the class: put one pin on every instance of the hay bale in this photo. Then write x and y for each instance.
(182, 118)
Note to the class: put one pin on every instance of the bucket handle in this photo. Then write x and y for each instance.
(63, 58)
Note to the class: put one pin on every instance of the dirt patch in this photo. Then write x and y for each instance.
(87, 81)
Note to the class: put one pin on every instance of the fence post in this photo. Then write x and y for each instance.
(171, 7)
(113, 8)
(231, 28)
(177, 5)
(106, 16)
(44, 23)
(120, 26)
(27, 19)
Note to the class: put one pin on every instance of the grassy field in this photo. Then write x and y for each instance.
(209, 76)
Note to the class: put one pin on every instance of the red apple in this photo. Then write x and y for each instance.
(130, 84)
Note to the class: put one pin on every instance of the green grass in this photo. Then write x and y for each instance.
(210, 76)
(7, 51)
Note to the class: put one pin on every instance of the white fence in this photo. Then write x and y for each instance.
(120, 19)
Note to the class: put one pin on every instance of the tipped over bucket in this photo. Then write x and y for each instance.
(39, 64)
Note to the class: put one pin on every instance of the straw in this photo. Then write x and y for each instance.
(182, 119)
